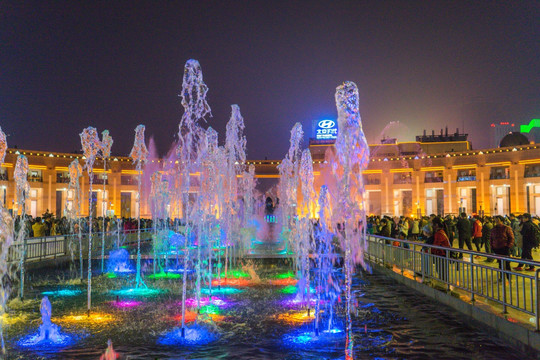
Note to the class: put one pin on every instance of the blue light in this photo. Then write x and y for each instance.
(62, 292)
(326, 339)
(196, 334)
(137, 292)
(221, 291)
(32, 341)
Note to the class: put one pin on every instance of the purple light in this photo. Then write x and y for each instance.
(192, 302)
(296, 302)
(125, 304)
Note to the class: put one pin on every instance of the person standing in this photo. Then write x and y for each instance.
(502, 239)
(486, 236)
(440, 239)
(477, 234)
(529, 240)
(516, 224)
(464, 232)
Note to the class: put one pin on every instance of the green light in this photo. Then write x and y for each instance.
(534, 123)
(237, 274)
(111, 275)
(289, 289)
(164, 275)
(210, 310)
(287, 275)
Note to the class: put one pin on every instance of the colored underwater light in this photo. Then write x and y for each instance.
(286, 275)
(210, 310)
(232, 282)
(62, 292)
(309, 338)
(137, 292)
(125, 304)
(34, 342)
(296, 317)
(94, 318)
(293, 290)
(195, 334)
(164, 275)
(294, 302)
(192, 302)
(221, 291)
(6, 319)
(190, 316)
(179, 270)
(111, 275)
(235, 274)
(284, 282)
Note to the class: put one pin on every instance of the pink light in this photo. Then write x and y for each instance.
(125, 304)
(192, 302)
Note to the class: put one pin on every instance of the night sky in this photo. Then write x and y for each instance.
(113, 65)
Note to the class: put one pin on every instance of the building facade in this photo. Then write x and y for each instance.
(409, 178)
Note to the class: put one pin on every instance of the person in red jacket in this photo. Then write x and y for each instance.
(477, 234)
(502, 239)
(440, 239)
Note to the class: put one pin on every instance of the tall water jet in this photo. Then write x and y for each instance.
(106, 144)
(6, 240)
(235, 148)
(352, 152)
(288, 185)
(21, 180)
(189, 132)
(305, 229)
(91, 145)
(73, 208)
(139, 155)
(325, 285)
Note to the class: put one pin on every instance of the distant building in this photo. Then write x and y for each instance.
(500, 130)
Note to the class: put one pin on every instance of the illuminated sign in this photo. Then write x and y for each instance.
(535, 123)
(326, 130)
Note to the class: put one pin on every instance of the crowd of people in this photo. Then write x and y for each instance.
(510, 236)
(49, 225)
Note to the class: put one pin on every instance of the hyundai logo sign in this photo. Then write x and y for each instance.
(327, 124)
(325, 129)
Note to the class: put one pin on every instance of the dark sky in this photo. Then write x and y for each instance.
(110, 64)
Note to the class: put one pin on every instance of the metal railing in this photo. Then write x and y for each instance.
(510, 289)
(52, 247)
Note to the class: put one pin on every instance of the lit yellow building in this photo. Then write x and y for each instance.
(411, 178)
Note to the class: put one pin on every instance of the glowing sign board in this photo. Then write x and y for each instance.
(325, 129)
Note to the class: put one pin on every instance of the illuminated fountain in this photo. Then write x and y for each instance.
(23, 188)
(106, 144)
(73, 209)
(49, 334)
(139, 154)
(91, 146)
(352, 155)
(119, 263)
(6, 240)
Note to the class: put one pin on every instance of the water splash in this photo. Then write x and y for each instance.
(73, 209)
(119, 262)
(189, 136)
(352, 152)
(106, 145)
(139, 155)
(3, 146)
(23, 188)
(48, 335)
(91, 146)
(109, 354)
(6, 240)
